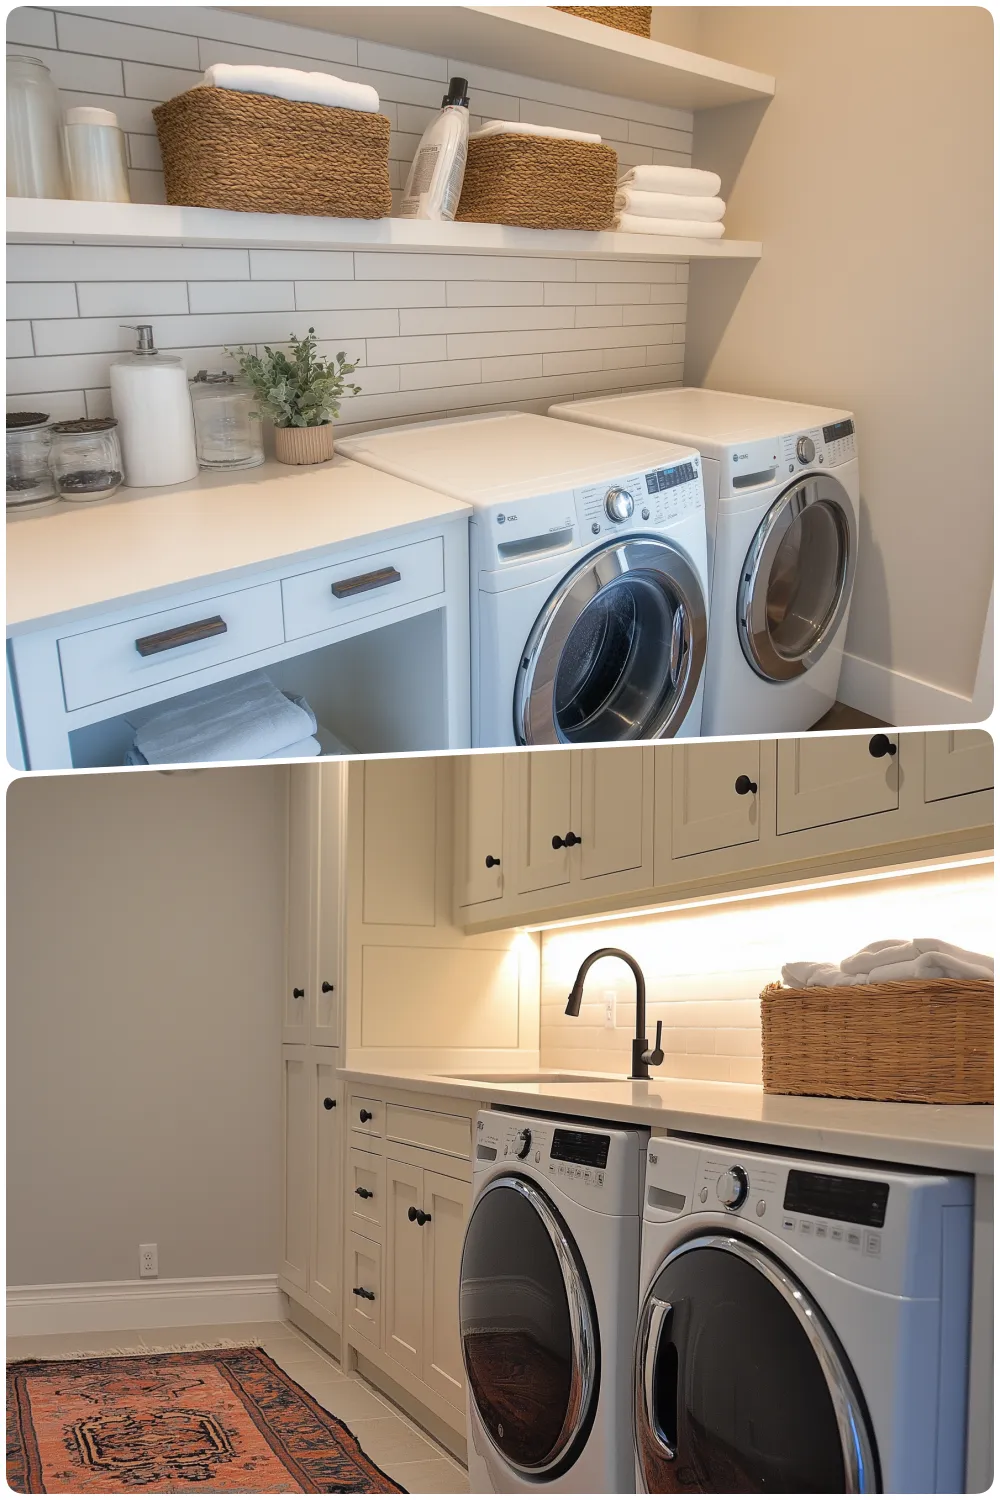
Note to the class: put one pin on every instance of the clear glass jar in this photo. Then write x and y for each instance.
(29, 478)
(86, 459)
(95, 156)
(227, 426)
(35, 164)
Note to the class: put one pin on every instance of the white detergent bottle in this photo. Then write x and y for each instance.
(150, 398)
(434, 185)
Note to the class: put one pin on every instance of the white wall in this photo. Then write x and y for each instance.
(705, 968)
(145, 932)
(433, 333)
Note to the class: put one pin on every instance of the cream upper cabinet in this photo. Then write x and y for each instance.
(479, 822)
(615, 798)
(325, 995)
(400, 842)
(404, 1265)
(327, 1194)
(957, 762)
(544, 816)
(449, 1202)
(296, 1108)
(825, 779)
(300, 922)
(707, 798)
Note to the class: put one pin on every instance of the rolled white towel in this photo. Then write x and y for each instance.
(934, 965)
(901, 951)
(302, 748)
(520, 127)
(800, 976)
(630, 200)
(689, 229)
(291, 83)
(663, 179)
(246, 718)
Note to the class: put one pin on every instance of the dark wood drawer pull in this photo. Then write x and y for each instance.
(363, 582)
(360, 1291)
(181, 635)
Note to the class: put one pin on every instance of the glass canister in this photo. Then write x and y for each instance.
(35, 163)
(86, 459)
(95, 156)
(29, 478)
(227, 425)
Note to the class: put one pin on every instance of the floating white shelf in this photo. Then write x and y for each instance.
(539, 42)
(40, 220)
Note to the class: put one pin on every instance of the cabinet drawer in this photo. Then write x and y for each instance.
(450, 1134)
(153, 648)
(364, 1287)
(366, 1115)
(366, 1192)
(362, 586)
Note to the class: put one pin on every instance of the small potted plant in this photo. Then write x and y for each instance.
(300, 393)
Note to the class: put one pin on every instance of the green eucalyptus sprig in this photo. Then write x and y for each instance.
(300, 389)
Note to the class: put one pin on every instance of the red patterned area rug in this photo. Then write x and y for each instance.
(216, 1420)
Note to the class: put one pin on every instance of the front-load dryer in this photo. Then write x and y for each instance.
(548, 1298)
(803, 1324)
(589, 581)
(782, 500)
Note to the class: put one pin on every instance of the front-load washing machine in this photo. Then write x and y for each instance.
(547, 1304)
(782, 501)
(589, 583)
(803, 1325)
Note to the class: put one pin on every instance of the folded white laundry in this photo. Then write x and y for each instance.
(663, 179)
(291, 83)
(630, 200)
(689, 229)
(892, 959)
(933, 965)
(521, 127)
(246, 718)
(800, 976)
(901, 951)
(302, 748)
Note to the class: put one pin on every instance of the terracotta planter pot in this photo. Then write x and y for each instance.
(303, 445)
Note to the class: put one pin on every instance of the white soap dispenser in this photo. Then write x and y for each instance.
(150, 398)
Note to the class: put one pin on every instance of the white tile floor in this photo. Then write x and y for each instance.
(415, 1461)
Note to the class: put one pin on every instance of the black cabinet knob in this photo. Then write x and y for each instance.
(329, 1103)
(491, 862)
(298, 994)
(418, 1217)
(881, 744)
(360, 1291)
(364, 1192)
(364, 1115)
(327, 987)
(744, 785)
(569, 842)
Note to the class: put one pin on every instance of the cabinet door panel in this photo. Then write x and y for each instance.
(364, 1288)
(296, 1100)
(366, 1192)
(325, 997)
(404, 1265)
(830, 779)
(300, 924)
(957, 762)
(544, 811)
(706, 811)
(400, 842)
(612, 810)
(479, 790)
(448, 1202)
(325, 1263)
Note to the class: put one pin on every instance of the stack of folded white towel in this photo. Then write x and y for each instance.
(246, 718)
(893, 958)
(670, 200)
(521, 127)
(291, 83)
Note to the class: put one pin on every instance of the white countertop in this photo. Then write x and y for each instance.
(74, 558)
(956, 1138)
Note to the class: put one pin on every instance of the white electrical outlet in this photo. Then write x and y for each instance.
(610, 1001)
(149, 1261)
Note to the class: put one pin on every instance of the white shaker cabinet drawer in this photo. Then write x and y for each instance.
(366, 1115)
(154, 648)
(362, 586)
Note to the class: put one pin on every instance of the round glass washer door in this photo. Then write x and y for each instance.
(741, 1385)
(618, 650)
(797, 578)
(528, 1329)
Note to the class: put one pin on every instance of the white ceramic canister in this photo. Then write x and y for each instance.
(150, 398)
(35, 166)
(95, 156)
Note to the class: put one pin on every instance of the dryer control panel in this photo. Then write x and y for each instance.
(596, 1167)
(641, 502)
(768, 461)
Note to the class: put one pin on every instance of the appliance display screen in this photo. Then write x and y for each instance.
(842, 1198)
(837, 430)
(669, 479)
(581, 1147)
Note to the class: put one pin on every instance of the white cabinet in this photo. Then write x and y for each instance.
(400, 842)
(404, 1265)
(544, 820)
(297, 1158)
(826, 779)
(325, 1003)
(364, 1288)
(707, 798)
(480, 865)
(311, 1003)
(956, 763)
(326, 1252)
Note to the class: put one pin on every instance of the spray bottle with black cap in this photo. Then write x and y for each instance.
(434, 185)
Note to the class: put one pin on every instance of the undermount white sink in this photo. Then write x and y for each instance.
(542, 1076)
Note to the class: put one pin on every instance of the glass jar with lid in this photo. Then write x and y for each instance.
(29, 478)
(227, 424)
(86, 459)
(35, 162)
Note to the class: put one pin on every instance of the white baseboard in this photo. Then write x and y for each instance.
(104, 1306)
(898, 699)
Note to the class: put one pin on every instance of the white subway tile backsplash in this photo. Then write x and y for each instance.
(144, 153)
(438, 374)
(482, 319)
(513, 367)
(598, 317)
(645, 315)
(83, 33)
(98, 75)
(391, 351)
(620, 359)
(41, 299)
(572, 362)
(28, 27)
(132, 299)
(58, 406)
(240, 296)
(495, 293)
(99, 402)
(147, 187)
(671, 291)
(59, 373)
(19, 340)
(625, 270)
(296, 265)
(124, 262)
(623, 291)
(388, 265)
(569, 294)
(152, 81)
(319, 295)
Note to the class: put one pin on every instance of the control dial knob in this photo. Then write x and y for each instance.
(732, 1187)
(805, 450)
(523, 1144)
(618, 503)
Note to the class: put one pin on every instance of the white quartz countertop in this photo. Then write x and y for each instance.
(955, 1138)
(73, 558)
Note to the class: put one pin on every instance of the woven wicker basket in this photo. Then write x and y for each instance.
(635, 18)
(536, 182)
(255, 153)
(927, 1041)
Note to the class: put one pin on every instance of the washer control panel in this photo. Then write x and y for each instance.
(770, 461)
(640, 502)
(599, 1168)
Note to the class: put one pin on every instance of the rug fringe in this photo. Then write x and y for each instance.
(243, 1343)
